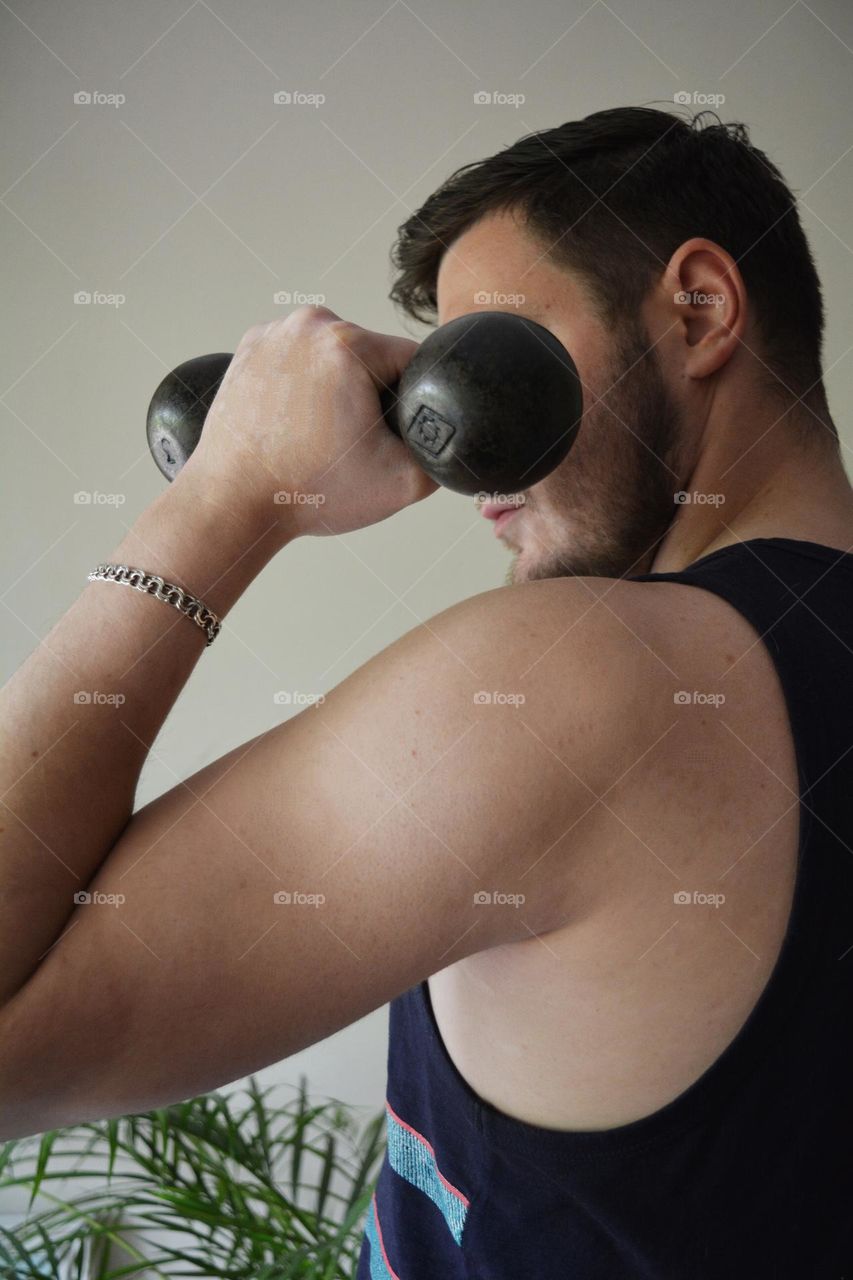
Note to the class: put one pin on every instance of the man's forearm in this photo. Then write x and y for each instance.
(69, 769)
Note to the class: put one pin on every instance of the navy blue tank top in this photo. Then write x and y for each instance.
(748, 1173)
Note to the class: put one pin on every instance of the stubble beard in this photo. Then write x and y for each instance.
(605, 508)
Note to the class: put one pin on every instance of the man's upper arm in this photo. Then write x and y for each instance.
(321, 869)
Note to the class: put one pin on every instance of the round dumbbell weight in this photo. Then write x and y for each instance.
(490, 402)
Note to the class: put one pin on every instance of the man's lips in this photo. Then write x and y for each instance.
(500, 513)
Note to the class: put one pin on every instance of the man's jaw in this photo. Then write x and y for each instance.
(517, 523)
(522, 540)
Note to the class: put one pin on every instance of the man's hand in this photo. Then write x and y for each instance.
(296, 430)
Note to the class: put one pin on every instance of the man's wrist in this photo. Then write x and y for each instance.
(199, 536)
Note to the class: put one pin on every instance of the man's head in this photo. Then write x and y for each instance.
(669, 260)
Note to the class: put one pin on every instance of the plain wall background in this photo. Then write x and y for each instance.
(199, 198)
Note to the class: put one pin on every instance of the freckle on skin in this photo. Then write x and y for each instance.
(34, 755)
(414, 752)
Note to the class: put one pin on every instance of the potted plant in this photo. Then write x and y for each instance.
(223, 1185)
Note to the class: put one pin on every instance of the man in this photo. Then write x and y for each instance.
(626, 874)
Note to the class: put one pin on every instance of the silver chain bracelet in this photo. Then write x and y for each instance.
(153, 585)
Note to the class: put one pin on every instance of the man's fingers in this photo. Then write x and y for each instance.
(383, 356)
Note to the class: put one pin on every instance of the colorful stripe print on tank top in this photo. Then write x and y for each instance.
(380, 1267)
(412, 1157)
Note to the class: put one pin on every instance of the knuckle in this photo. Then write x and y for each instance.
(342, 333)
(309, 314)
(253, 334)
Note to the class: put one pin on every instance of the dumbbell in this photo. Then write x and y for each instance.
(490, 402)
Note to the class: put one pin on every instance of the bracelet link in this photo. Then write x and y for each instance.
(168, 592)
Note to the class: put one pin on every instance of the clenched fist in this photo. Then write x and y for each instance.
(296, 433)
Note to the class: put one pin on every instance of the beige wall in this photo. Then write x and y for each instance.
(198, 198)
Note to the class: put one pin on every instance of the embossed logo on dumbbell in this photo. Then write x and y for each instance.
(429, 431)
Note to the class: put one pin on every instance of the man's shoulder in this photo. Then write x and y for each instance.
(587, 672)
(618, 637)
(593, 665)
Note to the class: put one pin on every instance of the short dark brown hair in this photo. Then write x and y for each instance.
(612, 196)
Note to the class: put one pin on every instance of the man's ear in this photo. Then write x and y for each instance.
(709, 302)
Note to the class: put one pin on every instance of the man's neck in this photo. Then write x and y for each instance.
(779, 484)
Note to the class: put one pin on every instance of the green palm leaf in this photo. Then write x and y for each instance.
(220, 1185)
